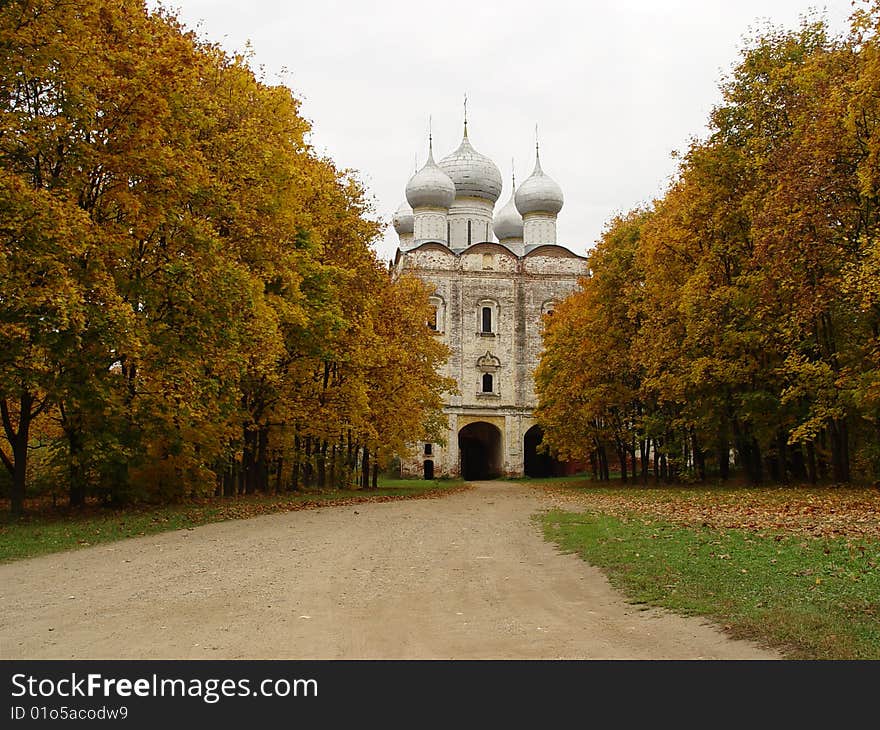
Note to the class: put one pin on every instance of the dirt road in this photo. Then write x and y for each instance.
(465, 576)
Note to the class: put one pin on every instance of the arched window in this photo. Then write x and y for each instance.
(469, 233)
(488, 365)
(448, 233)
(487, 317)
(437, 314)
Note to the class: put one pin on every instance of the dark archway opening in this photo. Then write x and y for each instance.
(428, 467)
(479, 446)
(538, 463)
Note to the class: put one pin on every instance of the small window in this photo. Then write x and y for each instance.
(448, 233)
(437, 314)
(469, 233)
(487, 319)
(487, 383)
(429, 449)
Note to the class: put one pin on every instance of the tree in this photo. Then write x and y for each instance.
(755, 317)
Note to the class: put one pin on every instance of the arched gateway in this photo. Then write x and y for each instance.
(538, 463)
(479, 445)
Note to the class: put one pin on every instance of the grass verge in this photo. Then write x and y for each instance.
(811, 598)
(49, 531)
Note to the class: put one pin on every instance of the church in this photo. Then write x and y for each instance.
(494, 278)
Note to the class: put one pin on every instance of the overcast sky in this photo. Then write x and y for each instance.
(615, 86)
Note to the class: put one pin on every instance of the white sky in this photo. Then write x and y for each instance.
(615, 86)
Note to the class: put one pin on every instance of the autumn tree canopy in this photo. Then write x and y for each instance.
(188, 299)
(738, 317)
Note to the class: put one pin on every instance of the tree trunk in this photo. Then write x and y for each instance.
(342, 473)
(365, 469)
(668, 472)
(822, 464)
(811, 462)
(249, 460)
(18, 440)
(723, 449)
(757, 468)
(19, 474)
(782, 455)
(603, 464)
(354, 477)
(332, 476)
(699, 456)
(656, 461)
(621, 457)
(76, 477)
(798, 466)
(839, 451)
(749, 452)
(307, 463)
(229, 474)
(322, 463)
(262, 465)
(294, 483)
(279, 473)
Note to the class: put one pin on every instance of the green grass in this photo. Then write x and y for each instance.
(574, 479)
(49, 530)
(811, 598)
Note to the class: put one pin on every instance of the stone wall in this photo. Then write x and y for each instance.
(539, 228)
(519, 291)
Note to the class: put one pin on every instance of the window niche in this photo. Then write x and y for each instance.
(547, 310)
(437, 316)
(487, 381)
(487, 318)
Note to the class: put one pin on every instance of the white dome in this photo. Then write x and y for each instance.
(474, 175)
(430, 187)
(539, 193)
(508, 223)
(403, 219)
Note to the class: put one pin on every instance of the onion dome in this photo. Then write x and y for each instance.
(474, 175)
(539, 193)
(403, 219)
(508, 222)
(430, 187)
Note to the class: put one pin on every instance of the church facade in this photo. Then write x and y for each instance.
(494, 278)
